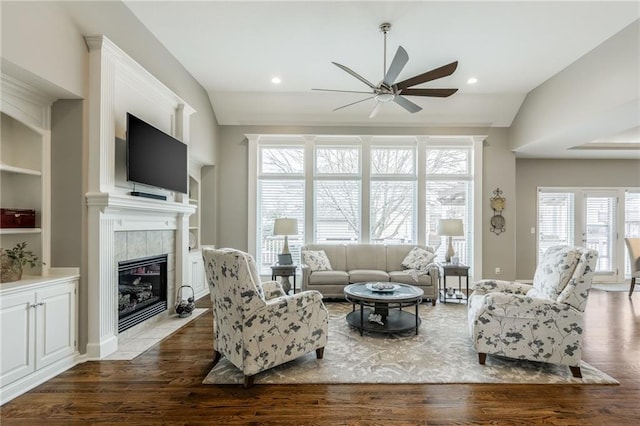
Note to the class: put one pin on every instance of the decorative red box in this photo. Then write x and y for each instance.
(17, 218)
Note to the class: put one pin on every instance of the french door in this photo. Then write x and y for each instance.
(582, 217)
(600, 231)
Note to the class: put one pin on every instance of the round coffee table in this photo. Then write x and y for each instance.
(381, 309)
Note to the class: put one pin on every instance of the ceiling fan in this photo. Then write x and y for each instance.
(387, 90)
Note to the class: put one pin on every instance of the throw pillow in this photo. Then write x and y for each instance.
(317, 260)
(418, 258)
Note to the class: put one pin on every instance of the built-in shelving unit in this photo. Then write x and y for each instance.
(194, 219)
(25, 177)
(40, 328)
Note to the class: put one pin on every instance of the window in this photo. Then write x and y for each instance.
(361, 189)
(280, 191)
(449, 195)
(337, 194)
(392, 197)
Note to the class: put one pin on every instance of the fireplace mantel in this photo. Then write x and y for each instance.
(118, 85)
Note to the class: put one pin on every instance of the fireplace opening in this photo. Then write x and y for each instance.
(142, 290)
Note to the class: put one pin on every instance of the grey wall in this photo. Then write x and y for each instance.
(43, 43)
(530, 174)
(596, 96)
(47, 39)
(499, 171)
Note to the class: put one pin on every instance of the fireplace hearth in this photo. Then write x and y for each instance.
(142, 290)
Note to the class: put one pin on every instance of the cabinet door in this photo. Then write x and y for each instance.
(56, 323)
(17, 353)
(198, 282)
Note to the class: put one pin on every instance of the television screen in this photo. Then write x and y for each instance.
(155, 158)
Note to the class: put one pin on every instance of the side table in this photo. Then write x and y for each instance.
(285, 271)
(453, 270)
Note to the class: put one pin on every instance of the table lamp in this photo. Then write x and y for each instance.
(285, 226)
(450, 228)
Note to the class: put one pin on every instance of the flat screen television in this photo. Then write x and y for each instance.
(155, 158)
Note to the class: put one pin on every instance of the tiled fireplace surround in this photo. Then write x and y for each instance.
(129, 245)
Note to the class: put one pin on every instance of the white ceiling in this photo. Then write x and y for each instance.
(234, 48)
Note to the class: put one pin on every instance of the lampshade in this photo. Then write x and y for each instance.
(450, 227)
(285, 226)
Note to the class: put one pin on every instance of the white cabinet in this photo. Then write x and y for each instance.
(38, 320)
(197, 277)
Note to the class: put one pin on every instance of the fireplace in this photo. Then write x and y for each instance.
(142, 290)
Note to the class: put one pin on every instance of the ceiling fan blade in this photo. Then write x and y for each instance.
(375, 110)
(406, 104)
(343, 91)
(355, 74)
(434, 74)
(353, 103)
(437, 93)
(399, 61)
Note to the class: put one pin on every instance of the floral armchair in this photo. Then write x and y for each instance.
(539, 322)
(256, 326)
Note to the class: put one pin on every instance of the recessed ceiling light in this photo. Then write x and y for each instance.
(472, 80)
(276, 80)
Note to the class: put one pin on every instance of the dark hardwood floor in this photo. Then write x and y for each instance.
(163, 386)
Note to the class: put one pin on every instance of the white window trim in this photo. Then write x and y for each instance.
(421, 141)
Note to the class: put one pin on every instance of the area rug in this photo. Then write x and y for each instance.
(441, 353)
(616, 287)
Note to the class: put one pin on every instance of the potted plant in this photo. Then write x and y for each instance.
(13, 260)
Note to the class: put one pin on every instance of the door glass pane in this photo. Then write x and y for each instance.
(555, 220)
(631, 224)
(600, 228)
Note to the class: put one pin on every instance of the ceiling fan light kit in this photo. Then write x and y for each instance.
(387, 90)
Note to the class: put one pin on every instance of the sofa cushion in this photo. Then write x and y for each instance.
(418, 258)
(405, 277)
(367, 275)
(317, 260)
(329, 277)
(366, 256)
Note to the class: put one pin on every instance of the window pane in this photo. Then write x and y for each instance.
(337, 211)
(448, 161)
(555, 220)
(337, 161)
(390, 161)
(601, 229)
(282, 160)
(278, 198)
(392, 212)
(450, 200)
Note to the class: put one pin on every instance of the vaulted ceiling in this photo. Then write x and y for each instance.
(235, 48)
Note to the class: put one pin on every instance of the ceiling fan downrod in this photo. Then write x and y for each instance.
(385, 27)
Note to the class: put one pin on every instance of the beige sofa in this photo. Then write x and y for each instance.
(356, 263)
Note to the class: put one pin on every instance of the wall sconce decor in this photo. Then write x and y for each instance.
(498, 203)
